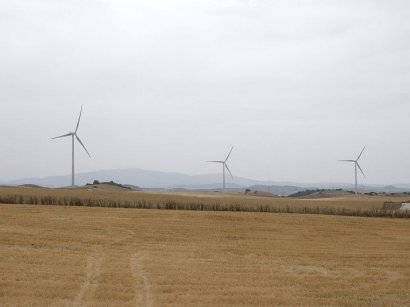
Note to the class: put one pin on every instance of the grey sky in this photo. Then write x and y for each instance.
(167, 85)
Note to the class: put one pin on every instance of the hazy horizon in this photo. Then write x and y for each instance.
(126, 179)
(168, 85)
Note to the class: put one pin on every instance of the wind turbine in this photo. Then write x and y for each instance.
(72, 142)
(223, 167)
(356, 165)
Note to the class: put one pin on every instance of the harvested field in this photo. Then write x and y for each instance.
(87, 256)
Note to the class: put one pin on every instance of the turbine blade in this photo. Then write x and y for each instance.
(78, 139)
(228, 169)
(61, 136)
(78, 120)
(360, 169)
(216, 161)
(228, 154)
(347, 160)
(361, 152)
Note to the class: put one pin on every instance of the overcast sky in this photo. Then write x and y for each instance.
(168, 85)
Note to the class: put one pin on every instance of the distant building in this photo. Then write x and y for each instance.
(396, 206)
(405, 206)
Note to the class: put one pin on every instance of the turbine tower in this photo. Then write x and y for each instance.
(72, 142)
(223, 167)
(356, 165)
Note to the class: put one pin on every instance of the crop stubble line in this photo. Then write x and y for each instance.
(234, 207)
(91, 282)
(352, 207)
(143, 295)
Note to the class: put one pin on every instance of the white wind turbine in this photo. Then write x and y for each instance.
(223, 167)
(72, 138)
(356, 165)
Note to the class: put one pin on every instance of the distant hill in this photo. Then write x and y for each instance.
(154, 180)
(276, 189)
(133, 187)
(112, 183)
(312, 194)
(31, 186)
(141, 178)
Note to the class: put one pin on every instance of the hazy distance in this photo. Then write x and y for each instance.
(169, 85)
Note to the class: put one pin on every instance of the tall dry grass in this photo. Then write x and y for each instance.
(352, 205)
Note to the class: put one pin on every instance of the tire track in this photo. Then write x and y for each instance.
(143, 295)
(91, 281)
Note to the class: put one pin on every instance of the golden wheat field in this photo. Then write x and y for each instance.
(102, 256)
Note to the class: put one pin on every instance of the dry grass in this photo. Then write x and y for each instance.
(351, 205)
(83, 256)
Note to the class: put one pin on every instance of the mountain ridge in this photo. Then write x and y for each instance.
(172, 180)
